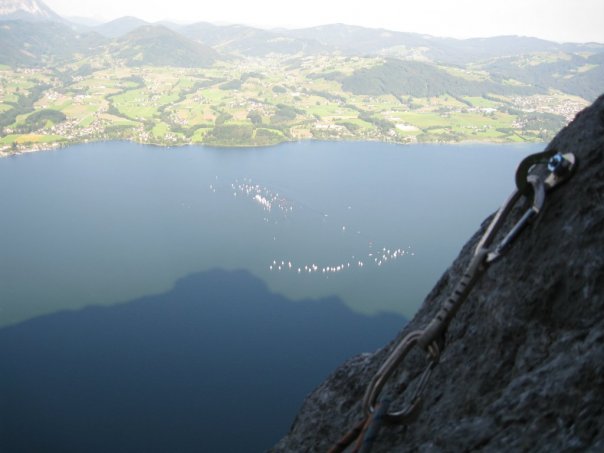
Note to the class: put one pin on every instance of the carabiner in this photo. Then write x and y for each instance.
(380, 378)
(560, 167)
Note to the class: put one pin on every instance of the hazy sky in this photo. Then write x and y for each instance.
(558, 20)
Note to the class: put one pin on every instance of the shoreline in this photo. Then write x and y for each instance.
(60, 145)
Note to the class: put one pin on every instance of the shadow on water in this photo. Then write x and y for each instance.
(217, 364)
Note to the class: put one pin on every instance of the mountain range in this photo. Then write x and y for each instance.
(347, 39)
(32, 35)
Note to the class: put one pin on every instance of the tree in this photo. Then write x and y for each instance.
(255, 118)
(222, 118)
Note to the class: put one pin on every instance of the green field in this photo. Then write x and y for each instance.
(273, 102)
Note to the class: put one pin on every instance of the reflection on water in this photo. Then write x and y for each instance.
(217, 364)
(278, 208)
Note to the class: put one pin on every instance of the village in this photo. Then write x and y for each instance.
(259, 101)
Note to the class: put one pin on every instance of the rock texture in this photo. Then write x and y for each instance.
(523, 365)
(28, 10)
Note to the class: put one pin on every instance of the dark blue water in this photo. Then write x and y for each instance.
(216, 364)
(209, 290)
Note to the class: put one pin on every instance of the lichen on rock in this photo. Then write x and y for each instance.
(523, 365)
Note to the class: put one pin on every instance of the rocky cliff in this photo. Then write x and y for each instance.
(28, 10)
(523, 364)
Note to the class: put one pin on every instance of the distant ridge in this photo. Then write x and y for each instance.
(357, 40)
(84, 21)
(120, 27)
(26, 43)
(157, 45)
(349, 40)
(251, 41)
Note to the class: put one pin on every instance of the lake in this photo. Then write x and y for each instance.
(197, 294)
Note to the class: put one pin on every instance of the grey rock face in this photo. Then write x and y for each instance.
(523, 364)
